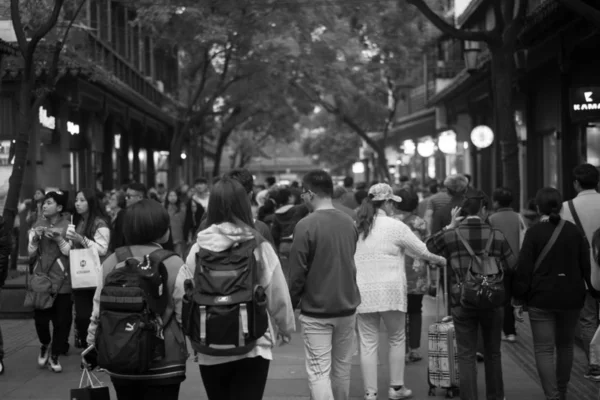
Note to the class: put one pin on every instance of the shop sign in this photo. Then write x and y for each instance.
(585, 102)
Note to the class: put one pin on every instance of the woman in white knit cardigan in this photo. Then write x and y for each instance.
(381, 279)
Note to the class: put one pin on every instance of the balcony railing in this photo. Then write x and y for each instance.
(104, 55)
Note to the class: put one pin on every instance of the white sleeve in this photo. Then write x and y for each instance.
(100, 242)
(405, 238)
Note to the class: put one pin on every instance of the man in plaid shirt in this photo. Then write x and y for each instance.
(467, 321)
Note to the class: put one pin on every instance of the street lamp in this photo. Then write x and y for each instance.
(426, 148)
(447, 142)
(471, 54)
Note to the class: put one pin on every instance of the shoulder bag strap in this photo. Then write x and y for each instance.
(576, 217)
(467, 246)
(173, 265)
(549, 245)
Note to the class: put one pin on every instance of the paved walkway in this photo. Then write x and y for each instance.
(287, 376)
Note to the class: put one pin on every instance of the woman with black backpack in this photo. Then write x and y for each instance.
(140, 345)
(232, 274)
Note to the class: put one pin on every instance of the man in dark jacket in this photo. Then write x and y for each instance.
(5, 249)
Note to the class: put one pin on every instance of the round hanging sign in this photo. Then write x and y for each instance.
(482, 136)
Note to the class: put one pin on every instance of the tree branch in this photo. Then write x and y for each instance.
(43, 30)
(477, 36)
(584, 10)
(15, 15)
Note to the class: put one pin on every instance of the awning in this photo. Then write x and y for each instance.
(414, 126)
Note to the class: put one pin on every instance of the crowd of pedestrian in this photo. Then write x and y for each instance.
(347, 256)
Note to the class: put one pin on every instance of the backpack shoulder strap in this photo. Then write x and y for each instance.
(172, 264)
(489, 243)
(123, 253)
(549, 245)
(576, 216)
(466, 244)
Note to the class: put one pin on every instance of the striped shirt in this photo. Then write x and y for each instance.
(446, 243)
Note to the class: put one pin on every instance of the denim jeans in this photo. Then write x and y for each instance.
(329, 346)
(594, 349)
(553, 330)
(467, 324)
(588, 322)
(368, 335)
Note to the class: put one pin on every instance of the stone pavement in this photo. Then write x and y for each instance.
(287, 377)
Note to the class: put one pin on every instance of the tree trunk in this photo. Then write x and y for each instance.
(24, 125)
(502, 82)
(223, 137)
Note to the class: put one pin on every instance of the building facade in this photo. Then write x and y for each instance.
(111, 117)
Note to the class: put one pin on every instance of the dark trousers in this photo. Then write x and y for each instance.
(61, 316)
(467, 324)
(242, 379)
(83, 300)
(415, 320)
(14, 253)
(509, 320)
(553, 330)
(143, 391)
(588, 322)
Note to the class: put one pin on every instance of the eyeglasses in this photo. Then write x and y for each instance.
(129, 196)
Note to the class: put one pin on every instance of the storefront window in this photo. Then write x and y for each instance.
(593, 145)
(550, 160)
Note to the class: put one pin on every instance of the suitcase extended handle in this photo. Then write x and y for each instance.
(441, 271)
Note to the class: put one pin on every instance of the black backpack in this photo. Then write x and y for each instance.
(132, 302)
(224, 309)
(482, 287)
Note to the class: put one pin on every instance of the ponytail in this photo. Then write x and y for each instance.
(554, 216)
(365, 217)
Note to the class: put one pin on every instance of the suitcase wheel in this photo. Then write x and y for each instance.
(431, 391)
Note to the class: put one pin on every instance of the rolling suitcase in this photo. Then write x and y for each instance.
(442, 371)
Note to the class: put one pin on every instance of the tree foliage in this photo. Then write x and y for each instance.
(353, 62)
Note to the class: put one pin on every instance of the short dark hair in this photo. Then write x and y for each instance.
(474, 202)
(360, 195)
(503, 196)
(139, 187)
(348, 182)
(243, 176)
(281, 196)
(433, 187)
(319, 182)
(160, 185)
(549, 202)
(404, 178)
(200, 180)
(587, 175)
(229, 202)
(61, 198)
(361, 186)
(410, 200)
(270, 180)
(145, 222)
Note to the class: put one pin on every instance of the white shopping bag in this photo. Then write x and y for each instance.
(85, 267)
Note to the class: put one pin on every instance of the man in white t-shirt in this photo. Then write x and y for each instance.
(584, 211)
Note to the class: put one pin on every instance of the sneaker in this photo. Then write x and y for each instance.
(400, 394)
(54, 364)
(480, 357)
(509, 338)
(593, 373)
(371, 396)
(1, 367)
(414, 356)
(43, 357)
